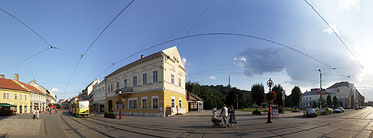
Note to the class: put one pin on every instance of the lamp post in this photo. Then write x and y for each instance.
(120, 104)
(269, 84)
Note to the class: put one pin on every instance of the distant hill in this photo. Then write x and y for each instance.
(217, 95)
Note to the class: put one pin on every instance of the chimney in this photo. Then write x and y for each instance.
(142, 56)
(2, 76)
(16, 77)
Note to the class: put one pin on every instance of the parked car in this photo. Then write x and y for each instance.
(310, 112)
(339, 110)
(326, 111)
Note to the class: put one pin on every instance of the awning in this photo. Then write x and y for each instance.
(7, 105)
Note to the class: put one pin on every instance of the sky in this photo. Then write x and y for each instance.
(307, 42)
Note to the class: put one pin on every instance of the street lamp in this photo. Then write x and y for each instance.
(269, 84)
(120, 104)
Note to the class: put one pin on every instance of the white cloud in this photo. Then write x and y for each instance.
(330, 30)
(212, 77)
(56, 90)
(349, 4)
(184, 60)
(239, 61)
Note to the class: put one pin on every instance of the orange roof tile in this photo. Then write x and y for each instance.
(10, 84)
(31, 87)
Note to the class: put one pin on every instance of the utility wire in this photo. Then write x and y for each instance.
(197, 19)
(94, 41)
(28, 27)
(30, 57)
(107, 26)
(225, 34)
(335, 33)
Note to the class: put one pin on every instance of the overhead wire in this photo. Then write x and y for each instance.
(196, 20)
(30, 57)
(335, 33)
(224, 34)
(27, 26)
(94, 41)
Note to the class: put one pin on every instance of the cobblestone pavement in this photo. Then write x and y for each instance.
(352, 123)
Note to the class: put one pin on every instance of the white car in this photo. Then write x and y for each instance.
(339, 110)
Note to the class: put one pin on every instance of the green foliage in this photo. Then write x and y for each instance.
(216, 96)
(295, 96)
(335, 101)
(270, 96)
(329, 100)
(314, 104)
(279, 90)
(257, 93)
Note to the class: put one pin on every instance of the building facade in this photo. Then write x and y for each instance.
(309, 98)
(151, 86)
(44, 99)
(13, 93)
(98, 97)
(347, 93)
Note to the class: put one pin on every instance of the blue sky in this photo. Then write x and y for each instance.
(73, 25)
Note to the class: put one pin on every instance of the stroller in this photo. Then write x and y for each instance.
(216, 122)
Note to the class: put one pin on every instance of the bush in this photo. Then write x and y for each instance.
(109, 115)
(256, 113)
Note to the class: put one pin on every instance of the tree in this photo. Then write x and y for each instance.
(329, 100)
(314, 104)
(279, 90)
(257, 94)
(295, 96)
(231, 98)
(335, 101)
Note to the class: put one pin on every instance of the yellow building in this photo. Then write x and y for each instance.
(13, 93)
(151, 86)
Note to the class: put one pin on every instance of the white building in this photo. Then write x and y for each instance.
(98, 97)
(347, 93)
(313, 96)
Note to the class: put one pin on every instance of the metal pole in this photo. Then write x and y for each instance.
(320, 89)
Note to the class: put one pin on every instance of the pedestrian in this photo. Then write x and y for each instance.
(33, 113)
(55, 109)
(37, 113)
(232, 116)
(224, 115)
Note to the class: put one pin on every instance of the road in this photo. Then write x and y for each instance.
(352, 123)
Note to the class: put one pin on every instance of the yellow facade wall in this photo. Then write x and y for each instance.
(19, 101)
(164, 101)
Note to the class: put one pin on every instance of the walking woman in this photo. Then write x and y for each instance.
(37, 113)
(232, 116)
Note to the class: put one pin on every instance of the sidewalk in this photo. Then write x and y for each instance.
(23, 126)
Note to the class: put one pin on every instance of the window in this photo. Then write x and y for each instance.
(180, 103)
(155, 76)
(122, 105)
(172, 78)
(172, 101)
(125, 83)
(132, 103)
(144, 79)
(4, 96)
(15, 96)
(117, 84)
(155, 102)
(111, 87)
(108, 88)
(179, 82)
(25, 109)
(117, 106)
(134, 79)
(144, 102)
(20, 96)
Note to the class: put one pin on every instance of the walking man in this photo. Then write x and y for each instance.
(224, 115)
(33, 113)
